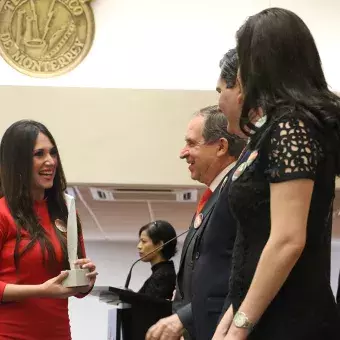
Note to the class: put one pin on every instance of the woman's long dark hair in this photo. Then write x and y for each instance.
(281, 73)
(16, 164)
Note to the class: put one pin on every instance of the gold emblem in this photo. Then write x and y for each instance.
(45, 38)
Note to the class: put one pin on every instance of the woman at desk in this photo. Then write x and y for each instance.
(162, 281)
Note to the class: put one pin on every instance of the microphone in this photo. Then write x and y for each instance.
(127, 282)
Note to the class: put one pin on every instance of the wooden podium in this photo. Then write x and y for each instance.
(136, 312)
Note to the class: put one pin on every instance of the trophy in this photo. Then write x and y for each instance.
(76, 276)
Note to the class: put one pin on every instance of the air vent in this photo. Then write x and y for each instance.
(136, 195)
(165, 191)
(186, 196)
(144, 195)
(101, 195)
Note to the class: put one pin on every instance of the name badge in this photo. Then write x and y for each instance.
(60, 225)
(198, 221)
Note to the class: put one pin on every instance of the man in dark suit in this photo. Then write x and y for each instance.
(202, 279)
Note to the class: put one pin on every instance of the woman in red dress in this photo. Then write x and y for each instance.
(33, 253)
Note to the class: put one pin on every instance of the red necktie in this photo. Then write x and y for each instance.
(205, 197)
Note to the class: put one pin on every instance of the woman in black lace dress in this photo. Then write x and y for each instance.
(283, 186)
(161, 283)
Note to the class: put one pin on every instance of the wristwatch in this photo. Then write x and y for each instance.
(241, 321)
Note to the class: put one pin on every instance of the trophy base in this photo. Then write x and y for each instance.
(76, 278)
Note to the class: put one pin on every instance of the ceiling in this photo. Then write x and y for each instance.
(120, 217)
(120, 214)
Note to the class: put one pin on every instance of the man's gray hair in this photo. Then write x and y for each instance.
(215, 127)
(229, 67)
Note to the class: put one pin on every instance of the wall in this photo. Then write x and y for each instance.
(89, 316)
(111, 136)
(176, 44)
(153, 44)
(105, 136)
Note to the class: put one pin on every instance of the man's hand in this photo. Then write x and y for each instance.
(170, 328)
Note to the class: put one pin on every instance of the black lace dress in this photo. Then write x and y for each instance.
(161, 284)
(304, 308)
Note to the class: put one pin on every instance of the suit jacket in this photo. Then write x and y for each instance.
(200, 305)
(182, 301)
(212, 268)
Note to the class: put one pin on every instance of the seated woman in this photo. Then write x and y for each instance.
(162, 281)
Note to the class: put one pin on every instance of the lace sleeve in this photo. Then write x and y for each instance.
(294, 152)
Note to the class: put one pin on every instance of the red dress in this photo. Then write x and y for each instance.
(34, 318)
